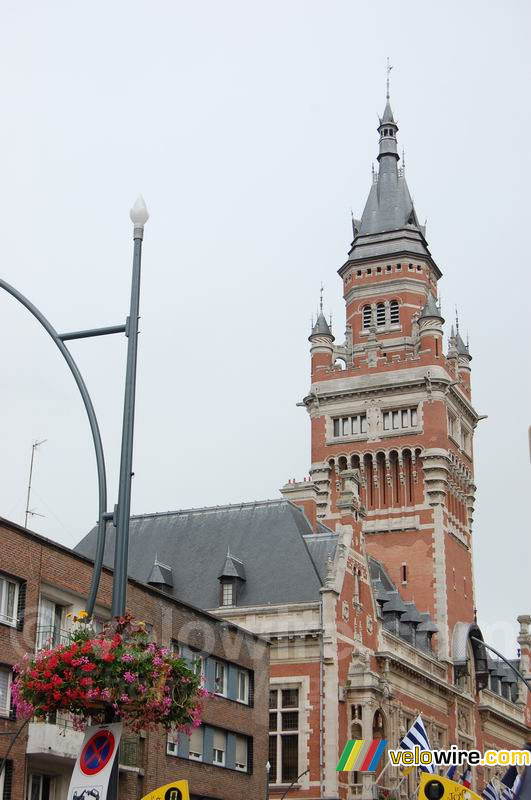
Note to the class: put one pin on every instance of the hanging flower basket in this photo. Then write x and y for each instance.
(120, 669)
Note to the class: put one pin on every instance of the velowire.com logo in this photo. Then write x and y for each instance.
(361, 755)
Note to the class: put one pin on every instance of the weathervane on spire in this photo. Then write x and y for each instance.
(321, 299)
(456, 320)
(389, 68)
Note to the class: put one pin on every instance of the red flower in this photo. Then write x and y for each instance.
(85, 682)
(86, 647)
(57, 695)
(88, 667)
(108, 657)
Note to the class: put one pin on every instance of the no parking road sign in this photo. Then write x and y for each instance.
(92, 770)
(97, 752)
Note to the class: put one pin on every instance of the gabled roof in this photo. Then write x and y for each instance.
(270, 538)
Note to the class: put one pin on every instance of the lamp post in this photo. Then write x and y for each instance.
(516, 672)
(139, 217)
(268, 770)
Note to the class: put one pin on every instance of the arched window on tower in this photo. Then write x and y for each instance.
(394, 312)
(380, 314)
(367, 316)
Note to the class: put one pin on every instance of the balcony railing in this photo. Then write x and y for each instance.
(47, 637)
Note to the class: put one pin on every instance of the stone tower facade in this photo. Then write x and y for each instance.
(391, 406)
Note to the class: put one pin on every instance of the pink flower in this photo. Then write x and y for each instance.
(130, 677)
(127, 657)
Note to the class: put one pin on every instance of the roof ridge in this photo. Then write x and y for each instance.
(203, 509)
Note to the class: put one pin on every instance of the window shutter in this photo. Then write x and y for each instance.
(8, 780)
(251, 688)
(196, 740)
(21, 607)
(241, 750)
(220, 740)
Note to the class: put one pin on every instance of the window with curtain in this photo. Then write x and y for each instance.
(5, 691)
(8, 600)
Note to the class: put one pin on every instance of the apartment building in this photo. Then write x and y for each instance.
(41, 584)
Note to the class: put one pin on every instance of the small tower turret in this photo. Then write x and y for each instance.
(430, 324)
(463, 362)
(322, 342)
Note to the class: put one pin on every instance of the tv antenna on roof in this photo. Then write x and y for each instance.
(29, 513)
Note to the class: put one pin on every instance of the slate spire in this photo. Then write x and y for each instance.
(389, 206)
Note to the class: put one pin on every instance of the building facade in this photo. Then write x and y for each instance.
(361, 576)
(41, 585)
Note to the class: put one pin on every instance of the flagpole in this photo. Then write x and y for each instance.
(382, 773)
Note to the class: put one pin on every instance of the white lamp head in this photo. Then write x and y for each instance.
(139, 213)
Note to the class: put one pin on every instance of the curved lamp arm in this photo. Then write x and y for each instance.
(96, 437)
(516, 672)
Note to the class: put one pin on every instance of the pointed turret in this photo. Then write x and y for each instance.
(321, 327)
(322, 341)
(431, 309)
(430, 326)
(463, 361)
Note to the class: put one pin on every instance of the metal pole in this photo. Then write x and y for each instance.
(297, 779)
(29, 485)
(96, 436)
(516, 672)
(119, 589)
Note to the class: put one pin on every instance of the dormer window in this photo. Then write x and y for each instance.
(231, 580)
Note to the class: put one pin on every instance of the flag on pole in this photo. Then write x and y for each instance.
(508, 784)
(490, 792)
(451, 772)
(466, 778)
(417, 737)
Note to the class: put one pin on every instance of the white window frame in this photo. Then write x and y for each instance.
(223, 666)
(280, 732)
(245, 699)
(6, 711)
(5, 619)
(194, 755)
(172, 744)
(41, 776)
(227, 593)
(219, 762)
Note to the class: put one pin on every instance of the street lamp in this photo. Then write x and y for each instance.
(268, 770)
(139, 216)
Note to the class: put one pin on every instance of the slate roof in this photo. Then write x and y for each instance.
(389, 224)
(321, 326)
(430, 308)
(232, 568)
(273, 538)
(160, 575)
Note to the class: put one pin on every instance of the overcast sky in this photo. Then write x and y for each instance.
(250, 128)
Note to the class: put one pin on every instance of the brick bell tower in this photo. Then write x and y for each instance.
(389, 403)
